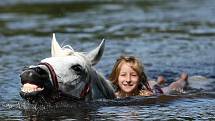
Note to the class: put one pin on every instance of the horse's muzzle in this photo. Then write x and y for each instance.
(32, 76)
(35, 82)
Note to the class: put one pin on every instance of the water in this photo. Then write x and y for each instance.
(169, 36)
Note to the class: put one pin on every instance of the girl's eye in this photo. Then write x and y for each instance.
(122, 74)
(133, 74)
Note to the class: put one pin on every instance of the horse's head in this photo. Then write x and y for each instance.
(67, 73)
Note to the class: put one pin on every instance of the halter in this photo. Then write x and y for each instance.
(83, 93)
(52, 73)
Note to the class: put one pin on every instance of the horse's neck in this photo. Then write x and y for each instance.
(100, 87)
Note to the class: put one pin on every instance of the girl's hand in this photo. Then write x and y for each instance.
(145, 93)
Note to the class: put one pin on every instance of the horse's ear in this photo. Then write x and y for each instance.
(96, 54)
(55, 47)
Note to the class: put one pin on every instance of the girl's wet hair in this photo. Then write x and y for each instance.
(137, 66)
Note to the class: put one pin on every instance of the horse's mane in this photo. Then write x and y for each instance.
(68, 47)
(67, 50)
(102, 84)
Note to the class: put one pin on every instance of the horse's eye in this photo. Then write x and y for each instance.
(77, 69)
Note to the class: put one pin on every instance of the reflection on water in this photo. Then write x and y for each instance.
(179, 110)
(169, 36)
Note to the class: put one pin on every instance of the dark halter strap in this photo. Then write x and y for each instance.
(52, 73)
(86, 90)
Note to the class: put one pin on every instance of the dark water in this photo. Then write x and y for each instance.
(169, 36)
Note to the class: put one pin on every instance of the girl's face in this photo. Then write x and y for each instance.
(128, 79)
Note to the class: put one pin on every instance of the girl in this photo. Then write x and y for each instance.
(130, 79)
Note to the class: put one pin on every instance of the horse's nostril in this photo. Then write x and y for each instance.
(25, 68)
(37, 70)
(29, 76)
(40, 71)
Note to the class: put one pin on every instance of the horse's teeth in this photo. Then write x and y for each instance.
(24, 90)
(28, 90)
(40, 89)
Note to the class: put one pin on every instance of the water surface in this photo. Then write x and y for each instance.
(168, 36)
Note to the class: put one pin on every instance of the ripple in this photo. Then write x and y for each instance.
(203, 32)
(169, 37)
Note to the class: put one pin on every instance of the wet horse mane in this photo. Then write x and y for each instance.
(99, 82)
(67, 50)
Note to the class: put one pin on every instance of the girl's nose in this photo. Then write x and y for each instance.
(128, 79)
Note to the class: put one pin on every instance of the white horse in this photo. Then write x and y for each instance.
(66, 73)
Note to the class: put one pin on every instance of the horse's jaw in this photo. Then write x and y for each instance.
(77, 89)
